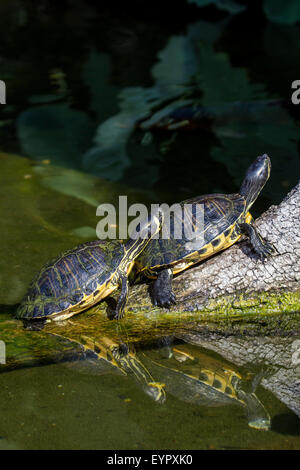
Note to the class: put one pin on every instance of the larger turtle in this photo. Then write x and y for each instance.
(83, 276)
(193, 375)
(225, 219)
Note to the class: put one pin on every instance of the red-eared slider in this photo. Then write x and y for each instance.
(81, 277)
(225, 219)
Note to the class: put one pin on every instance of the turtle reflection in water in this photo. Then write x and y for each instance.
(197, 378)
(182, 370)
(116, 357)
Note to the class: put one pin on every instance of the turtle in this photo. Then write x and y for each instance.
(226, 218)
(195, 376)
(84, 275)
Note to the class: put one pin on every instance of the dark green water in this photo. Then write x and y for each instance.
(56, 408)
(160, 105)
(90, 405)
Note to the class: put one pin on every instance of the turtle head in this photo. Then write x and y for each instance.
(256, 177)
(144, 231)
(148, 228)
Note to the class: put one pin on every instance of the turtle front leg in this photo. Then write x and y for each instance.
(160, 290)
(261, 246)
(121, 303)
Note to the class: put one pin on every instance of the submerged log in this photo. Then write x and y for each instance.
(237, 281)
(277, 357)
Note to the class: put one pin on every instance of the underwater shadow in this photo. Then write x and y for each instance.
(286, 423)
(8, 309)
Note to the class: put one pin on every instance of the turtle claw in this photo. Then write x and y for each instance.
(34, 325)
(116, 316)
(165, 302)
(160, 290)
(270, 249)
(265, 250)
(262, 247)
(162, 298)
(113, 313)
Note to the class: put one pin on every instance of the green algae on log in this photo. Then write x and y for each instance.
(79, 337)
(25, 348)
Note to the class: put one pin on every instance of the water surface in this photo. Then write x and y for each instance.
(103, 102)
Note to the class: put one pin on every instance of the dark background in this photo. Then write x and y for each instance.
(221, 74)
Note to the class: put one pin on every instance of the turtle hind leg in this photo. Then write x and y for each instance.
(160, 290)
(34, 324)
(111, 307)
(118, 311)
(261, 246)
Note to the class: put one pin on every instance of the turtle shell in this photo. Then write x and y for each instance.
(74, 281)
(216, 232)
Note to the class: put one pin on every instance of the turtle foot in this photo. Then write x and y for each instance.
(160, 290)
(267, 249)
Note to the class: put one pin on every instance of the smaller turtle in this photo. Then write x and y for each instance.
(81, 277)
(226, 218)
